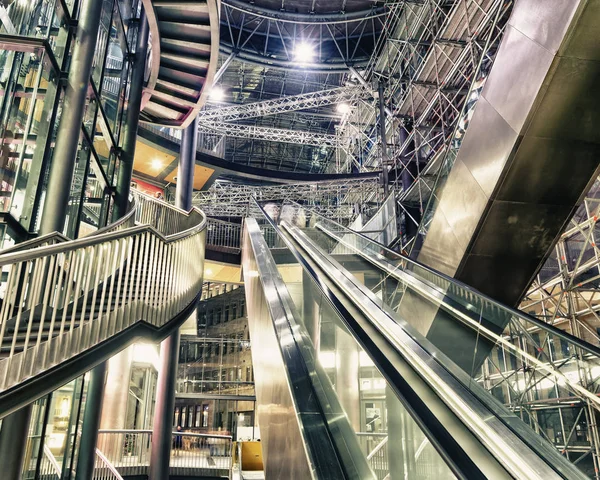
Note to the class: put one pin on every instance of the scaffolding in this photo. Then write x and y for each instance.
(431, 61)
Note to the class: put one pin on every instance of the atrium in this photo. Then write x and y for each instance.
(295, 239)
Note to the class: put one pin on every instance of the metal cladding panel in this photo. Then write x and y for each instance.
(281, 439)
(529, 154)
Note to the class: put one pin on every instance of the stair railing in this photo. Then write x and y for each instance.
(60, 299)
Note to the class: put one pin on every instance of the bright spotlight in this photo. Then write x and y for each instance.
(343, 108)
(304, 52)
(157, 164)
(217, 94)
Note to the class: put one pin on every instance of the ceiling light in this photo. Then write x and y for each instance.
(343, 108)
(304, 52)
(217, 94)
(157, 164)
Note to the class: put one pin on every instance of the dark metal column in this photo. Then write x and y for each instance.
(91, 422)
(69, 128)
(133, 117)
(13, 438)
(169, 349)
(187, 162)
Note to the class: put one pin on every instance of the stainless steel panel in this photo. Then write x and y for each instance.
(441, 249)
(284, 455)
(519, 71)
(535, 166)
(487, 146)
(545, 22)
(461, 202)
(305, 430)
(569, 109)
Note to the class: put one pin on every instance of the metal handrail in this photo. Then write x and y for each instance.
(50, 456)
(104, 463)
(61, 300)
(190, 434)
(588, 347)
(125, 221)
(92, 240)
(378, 447)
(484, 418)
(129, 451)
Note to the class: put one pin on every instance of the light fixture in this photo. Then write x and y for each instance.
(157, 164)
(343, 108)
(304, 52)
(217, 94)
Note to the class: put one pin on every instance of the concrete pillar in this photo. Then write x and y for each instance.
(116, 391)
(401, 449)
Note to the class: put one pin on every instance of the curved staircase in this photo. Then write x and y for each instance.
(67, 305)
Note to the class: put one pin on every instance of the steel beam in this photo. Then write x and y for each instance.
(292, 103)
(253, 132)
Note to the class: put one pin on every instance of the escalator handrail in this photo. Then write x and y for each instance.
(451, 451)
(549, 370)
(473, 411)
(90, 240)
(588, 347)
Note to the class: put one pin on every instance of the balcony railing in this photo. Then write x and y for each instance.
(128, 451)
(223, 236)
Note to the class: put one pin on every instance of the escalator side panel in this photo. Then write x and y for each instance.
(304, 431)
(529, 153)
(282, 445)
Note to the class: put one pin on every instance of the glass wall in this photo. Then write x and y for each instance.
(54, 432)
(36, 41)
(215, 381)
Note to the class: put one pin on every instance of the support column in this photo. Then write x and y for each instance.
(187, 162)
(91, 422)
(400, 427)
(136, 89)
(13, 439)
(169, 349)
(117, 390)
(69, 128)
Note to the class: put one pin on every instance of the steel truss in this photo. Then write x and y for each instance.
(432, 56)
(253, 132)
(322, 98)
(339, 200)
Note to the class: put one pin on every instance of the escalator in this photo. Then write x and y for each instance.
(67, 305)
(348, 387)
